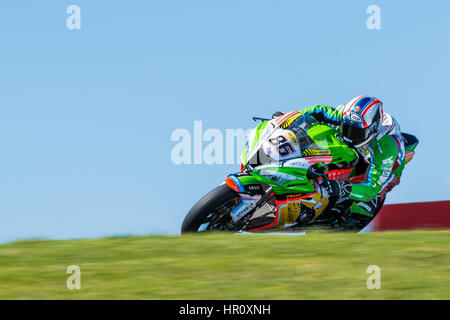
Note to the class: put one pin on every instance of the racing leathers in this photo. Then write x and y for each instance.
(384, 158)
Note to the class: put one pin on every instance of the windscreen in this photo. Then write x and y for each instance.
(300, 127)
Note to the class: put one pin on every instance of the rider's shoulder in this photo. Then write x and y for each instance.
(389, 126)
(340, 108)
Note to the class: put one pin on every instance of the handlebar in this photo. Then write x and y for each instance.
(259, 119)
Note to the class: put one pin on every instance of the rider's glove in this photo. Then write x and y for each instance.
(277, 114)
(334, 188)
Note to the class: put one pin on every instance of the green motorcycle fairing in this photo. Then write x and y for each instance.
(319, 144)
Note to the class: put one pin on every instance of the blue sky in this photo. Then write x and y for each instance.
(86, 115)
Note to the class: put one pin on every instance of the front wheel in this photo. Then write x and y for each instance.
(212, 212)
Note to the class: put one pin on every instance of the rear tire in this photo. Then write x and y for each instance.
(208, 207)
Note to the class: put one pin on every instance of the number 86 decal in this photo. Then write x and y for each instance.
(283, 145)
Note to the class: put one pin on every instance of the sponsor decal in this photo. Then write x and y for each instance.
(379, 147)
(291, 136)
(279, 177)
(316, 159)
(293, 211)
(252, 187)
(293, 196)
(315, 152)
(387, 163)
(298, 163)
(247, 204)
(354, 117)
(286, 123)
(242, 210)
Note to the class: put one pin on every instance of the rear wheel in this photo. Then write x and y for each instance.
(212, 212)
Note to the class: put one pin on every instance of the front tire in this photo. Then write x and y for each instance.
(212, 212)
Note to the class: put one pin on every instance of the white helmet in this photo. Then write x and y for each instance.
(361, 120)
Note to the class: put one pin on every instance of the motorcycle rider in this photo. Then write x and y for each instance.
(376, 137)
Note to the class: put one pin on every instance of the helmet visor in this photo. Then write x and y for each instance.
(354, 135)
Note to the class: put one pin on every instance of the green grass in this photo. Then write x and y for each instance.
(414, 265)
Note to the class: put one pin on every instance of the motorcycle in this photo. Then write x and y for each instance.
(277, 187)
